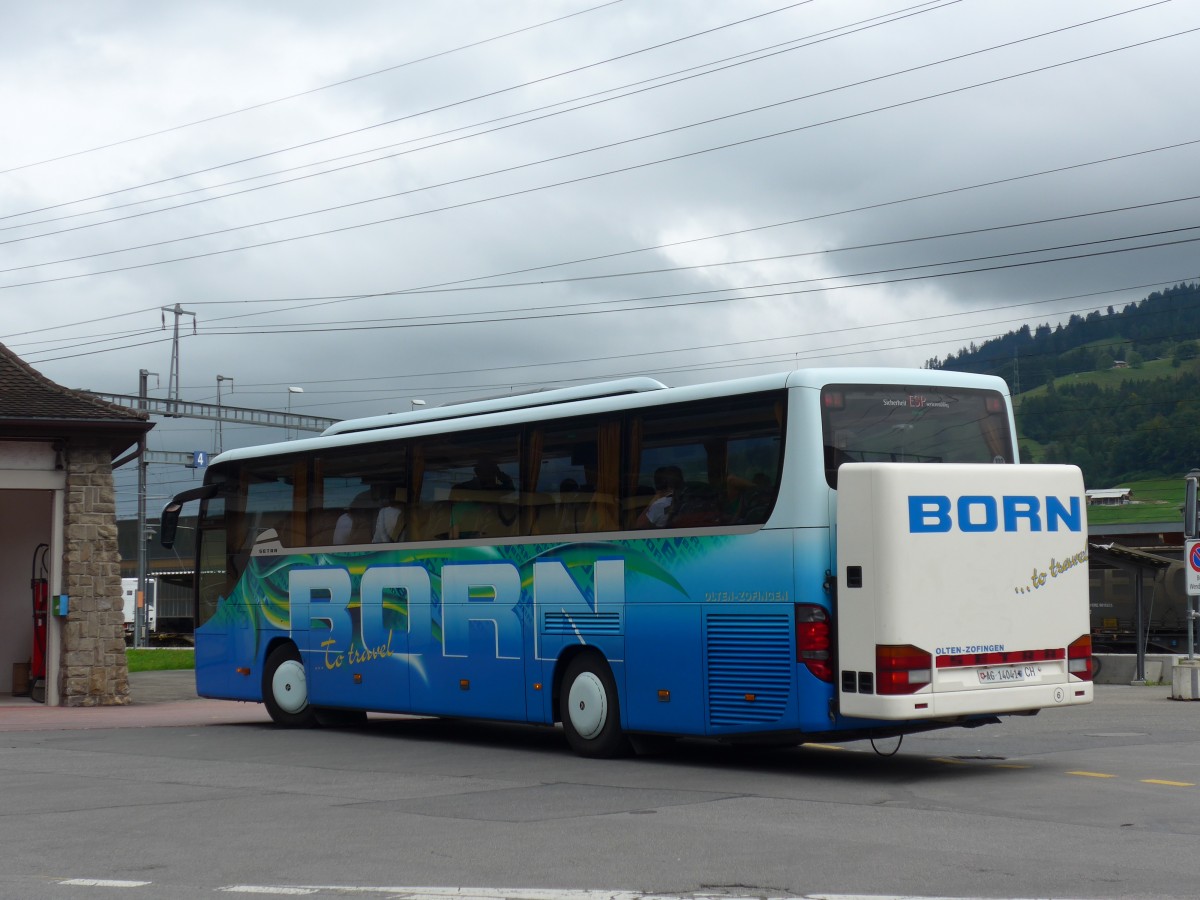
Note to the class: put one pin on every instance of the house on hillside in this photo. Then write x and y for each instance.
(61, 614)
(1109, 496)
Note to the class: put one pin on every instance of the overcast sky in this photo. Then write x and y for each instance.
(378, 202)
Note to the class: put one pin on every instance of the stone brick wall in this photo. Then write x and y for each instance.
(93, 670)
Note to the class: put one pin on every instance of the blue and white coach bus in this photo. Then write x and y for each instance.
(820, 555)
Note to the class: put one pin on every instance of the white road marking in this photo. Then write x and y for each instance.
(104, 882)
(884, 897)
(473, 893)
(477, 893)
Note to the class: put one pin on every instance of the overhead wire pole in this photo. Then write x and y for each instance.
(173, 378)
(139, 608)
(220, 435)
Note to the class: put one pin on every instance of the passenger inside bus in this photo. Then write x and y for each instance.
(483, 506)
(353, 526)
(668, 482)
(390, 522)
(750, 500)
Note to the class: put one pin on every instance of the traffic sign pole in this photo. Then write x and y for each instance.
(1185, 676)
(1192, 568)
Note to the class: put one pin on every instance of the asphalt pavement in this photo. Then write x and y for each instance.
(156, 699)
(1098, 801)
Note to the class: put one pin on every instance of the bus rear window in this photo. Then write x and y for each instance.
(898, 423)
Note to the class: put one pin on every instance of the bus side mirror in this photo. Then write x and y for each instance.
(1189, 504)
(168, 524)
(169, 521)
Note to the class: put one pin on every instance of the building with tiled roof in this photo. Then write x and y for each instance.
(61, 606)
(32, 405)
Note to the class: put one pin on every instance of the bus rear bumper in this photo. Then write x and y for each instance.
(990, 701)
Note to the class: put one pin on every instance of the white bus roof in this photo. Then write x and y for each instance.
(499, 404)
(603, 397)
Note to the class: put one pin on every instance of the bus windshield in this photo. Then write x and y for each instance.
(898, 423)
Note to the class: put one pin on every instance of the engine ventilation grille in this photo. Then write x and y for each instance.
(749, 668)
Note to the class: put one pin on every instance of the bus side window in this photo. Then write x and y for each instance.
(360, 497)
(725, 457)
(672, 461)
(269, 498)
(467, 487)
(577, 472)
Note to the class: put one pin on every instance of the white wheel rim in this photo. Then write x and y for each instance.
(587, 705)
(288, 686)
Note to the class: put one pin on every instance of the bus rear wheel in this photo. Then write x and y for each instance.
(285, 689)
(590, 711)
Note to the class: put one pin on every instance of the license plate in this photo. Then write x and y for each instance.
(1004, 674)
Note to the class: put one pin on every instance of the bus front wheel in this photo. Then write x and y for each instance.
(589, 709)
(285, 688)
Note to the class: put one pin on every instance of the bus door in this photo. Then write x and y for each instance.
(468, 647)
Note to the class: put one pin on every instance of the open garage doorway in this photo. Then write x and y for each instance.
(28, 551)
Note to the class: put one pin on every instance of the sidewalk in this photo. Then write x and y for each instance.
(144, 687)
(156, 699)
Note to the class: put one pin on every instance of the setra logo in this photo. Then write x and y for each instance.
(982, 513)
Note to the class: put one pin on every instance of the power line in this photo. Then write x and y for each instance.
(510, 169)
(494, 93)
(782, 357)
(856, 347)
(856, 27)
(90, 339)
(674, 269)
(559, 313)
(562, 310)
(82, 322)
(342, 298)
(265, 103)
(511, 194)
(658, 351)
(325, 300)
(787, 357)
(375, 326)
(742, 362)
(782, 256)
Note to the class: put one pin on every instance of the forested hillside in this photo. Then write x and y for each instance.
(1140, 421)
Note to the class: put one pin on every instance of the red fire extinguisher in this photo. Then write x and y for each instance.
(41, 608)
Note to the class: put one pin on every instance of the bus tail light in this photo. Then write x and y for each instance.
(901, 668)
(814, 640)
(1079, 658)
